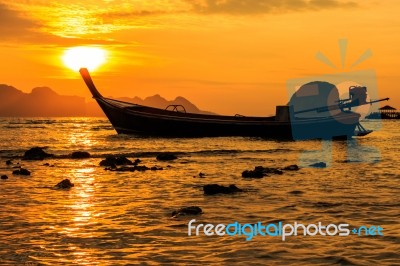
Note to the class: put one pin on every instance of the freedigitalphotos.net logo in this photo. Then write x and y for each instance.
(280, 229)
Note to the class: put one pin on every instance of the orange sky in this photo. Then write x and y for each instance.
(226, 56)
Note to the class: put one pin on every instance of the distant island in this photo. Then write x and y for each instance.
(45, 102)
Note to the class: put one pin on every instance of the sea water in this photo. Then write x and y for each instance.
(119, 218)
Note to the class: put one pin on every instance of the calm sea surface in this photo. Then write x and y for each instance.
(119, 218)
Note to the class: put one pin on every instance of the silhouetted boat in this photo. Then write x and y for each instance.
(288, 123)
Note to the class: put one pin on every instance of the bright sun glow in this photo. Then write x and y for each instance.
(89, 57)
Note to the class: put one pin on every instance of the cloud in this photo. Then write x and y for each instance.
(244, 7)
(121, 19)
(16, 27)
(13, 24)
(68, 24)
(129, 14)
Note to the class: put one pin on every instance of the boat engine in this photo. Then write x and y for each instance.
(358, 95)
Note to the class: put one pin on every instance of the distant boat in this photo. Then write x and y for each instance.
(291, 121)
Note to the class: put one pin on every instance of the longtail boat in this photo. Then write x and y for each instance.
(299, 119)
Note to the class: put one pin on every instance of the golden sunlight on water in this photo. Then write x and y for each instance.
(117, 218)
(82, 139)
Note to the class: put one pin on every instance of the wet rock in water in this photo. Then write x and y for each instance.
(119, 169)
(112, 161)
(318, 165)
(9, 162)
(192, 210)
(4, 177)
(167, 156)
(293, 167)
(112, 167)
(260, 172)
(65, 184)
(296, 192)
(21, 171)
(252, 174)
(140, 168)
(269, 170)
(36, 153)
(80, 155)
(213, 189)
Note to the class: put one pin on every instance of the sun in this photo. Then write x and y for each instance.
(82, 56)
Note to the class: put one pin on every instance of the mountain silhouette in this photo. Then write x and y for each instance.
(42, 101)
(153, 101)
(45, 102)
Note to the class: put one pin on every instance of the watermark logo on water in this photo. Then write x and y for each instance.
(282, 230)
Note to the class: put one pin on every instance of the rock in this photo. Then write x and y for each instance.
(46, 164)
(120, 169)
(296, 192)
(122, 160)
(260, 172)
(36, 153)
(113, 161)
(268, 170)
(65, 184)
(192, 210)
(21, 171)
(9, 162)
(140, 168)
(318, 165)
(252, 174)
(166, 156)
(202, 175)
(213, 189)
(293, 167)
(137, 161)
(4, 177)
(112, 167)
(80, 155)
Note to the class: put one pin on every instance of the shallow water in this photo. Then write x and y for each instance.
(116, 218)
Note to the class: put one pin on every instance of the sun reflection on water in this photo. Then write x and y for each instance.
(85, 197)
(81, 214)
(82, 136)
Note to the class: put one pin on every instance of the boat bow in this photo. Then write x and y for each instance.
(89, 83)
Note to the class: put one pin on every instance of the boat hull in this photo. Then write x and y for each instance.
(128, 118)
(147, 121)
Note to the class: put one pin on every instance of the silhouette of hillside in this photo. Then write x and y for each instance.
(153, 101)
(45, 102)
(42, 101)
